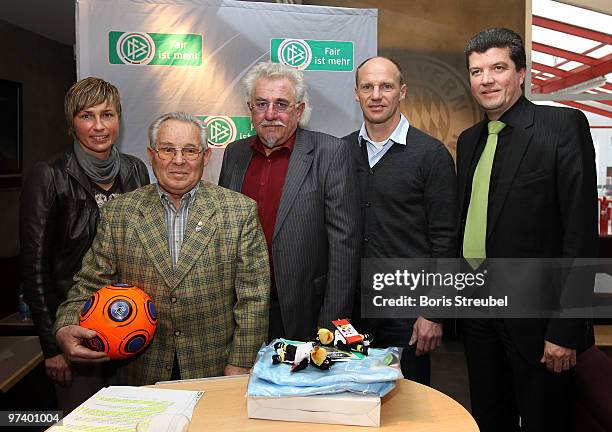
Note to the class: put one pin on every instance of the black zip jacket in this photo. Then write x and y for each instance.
(58, 221)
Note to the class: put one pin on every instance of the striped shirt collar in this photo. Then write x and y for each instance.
(176, 220)
(188, 197)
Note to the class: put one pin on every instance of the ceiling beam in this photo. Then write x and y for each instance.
(550, 69)
(585, 107)
(560, 52)
(576, 76)
(572, 29)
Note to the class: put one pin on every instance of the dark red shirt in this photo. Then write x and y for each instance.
(263, 181)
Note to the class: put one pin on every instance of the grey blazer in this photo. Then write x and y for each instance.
(315, 245)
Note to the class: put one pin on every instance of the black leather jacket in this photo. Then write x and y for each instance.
(58, 221)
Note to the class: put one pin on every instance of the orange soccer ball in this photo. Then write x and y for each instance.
(124, 319)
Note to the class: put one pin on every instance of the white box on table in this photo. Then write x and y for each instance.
(343, 408)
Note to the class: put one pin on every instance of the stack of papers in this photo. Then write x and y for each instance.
(120, 408)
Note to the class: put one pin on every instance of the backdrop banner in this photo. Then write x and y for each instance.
(191, 55)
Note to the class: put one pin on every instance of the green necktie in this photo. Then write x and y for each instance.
(475, 234)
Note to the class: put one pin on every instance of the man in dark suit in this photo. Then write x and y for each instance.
(408, 200)
(307, 203)
(527, 189)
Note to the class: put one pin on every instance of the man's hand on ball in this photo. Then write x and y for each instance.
(70, 339)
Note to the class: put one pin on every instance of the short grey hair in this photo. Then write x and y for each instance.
(180, 116)
(279, 70)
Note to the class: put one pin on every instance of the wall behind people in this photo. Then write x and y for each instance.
(432, 31)
(45, 69)
(197, 67)
(427, 38)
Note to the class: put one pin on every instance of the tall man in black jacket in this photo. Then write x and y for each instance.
(408, 202)
(540, 202)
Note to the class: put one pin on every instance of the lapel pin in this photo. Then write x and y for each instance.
(199, 226)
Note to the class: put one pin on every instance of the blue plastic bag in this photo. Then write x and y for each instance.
(375, 374)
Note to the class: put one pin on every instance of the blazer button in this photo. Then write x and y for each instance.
(177, 333)
(365, 239)
(168, 367)
(173, 299)
(368, 204)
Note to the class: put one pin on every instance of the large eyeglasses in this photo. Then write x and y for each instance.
(169, 153)
(278, 106)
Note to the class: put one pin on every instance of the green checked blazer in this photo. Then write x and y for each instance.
(212, 310)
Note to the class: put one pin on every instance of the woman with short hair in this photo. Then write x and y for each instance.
(60, 204)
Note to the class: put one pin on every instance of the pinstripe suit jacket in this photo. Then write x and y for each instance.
(544, 206)
(315, 245)
(212, 310)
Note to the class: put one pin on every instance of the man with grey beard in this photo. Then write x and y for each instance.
(307, 200)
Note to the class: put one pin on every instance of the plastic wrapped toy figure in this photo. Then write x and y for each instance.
(300, 356)
(345, 337)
